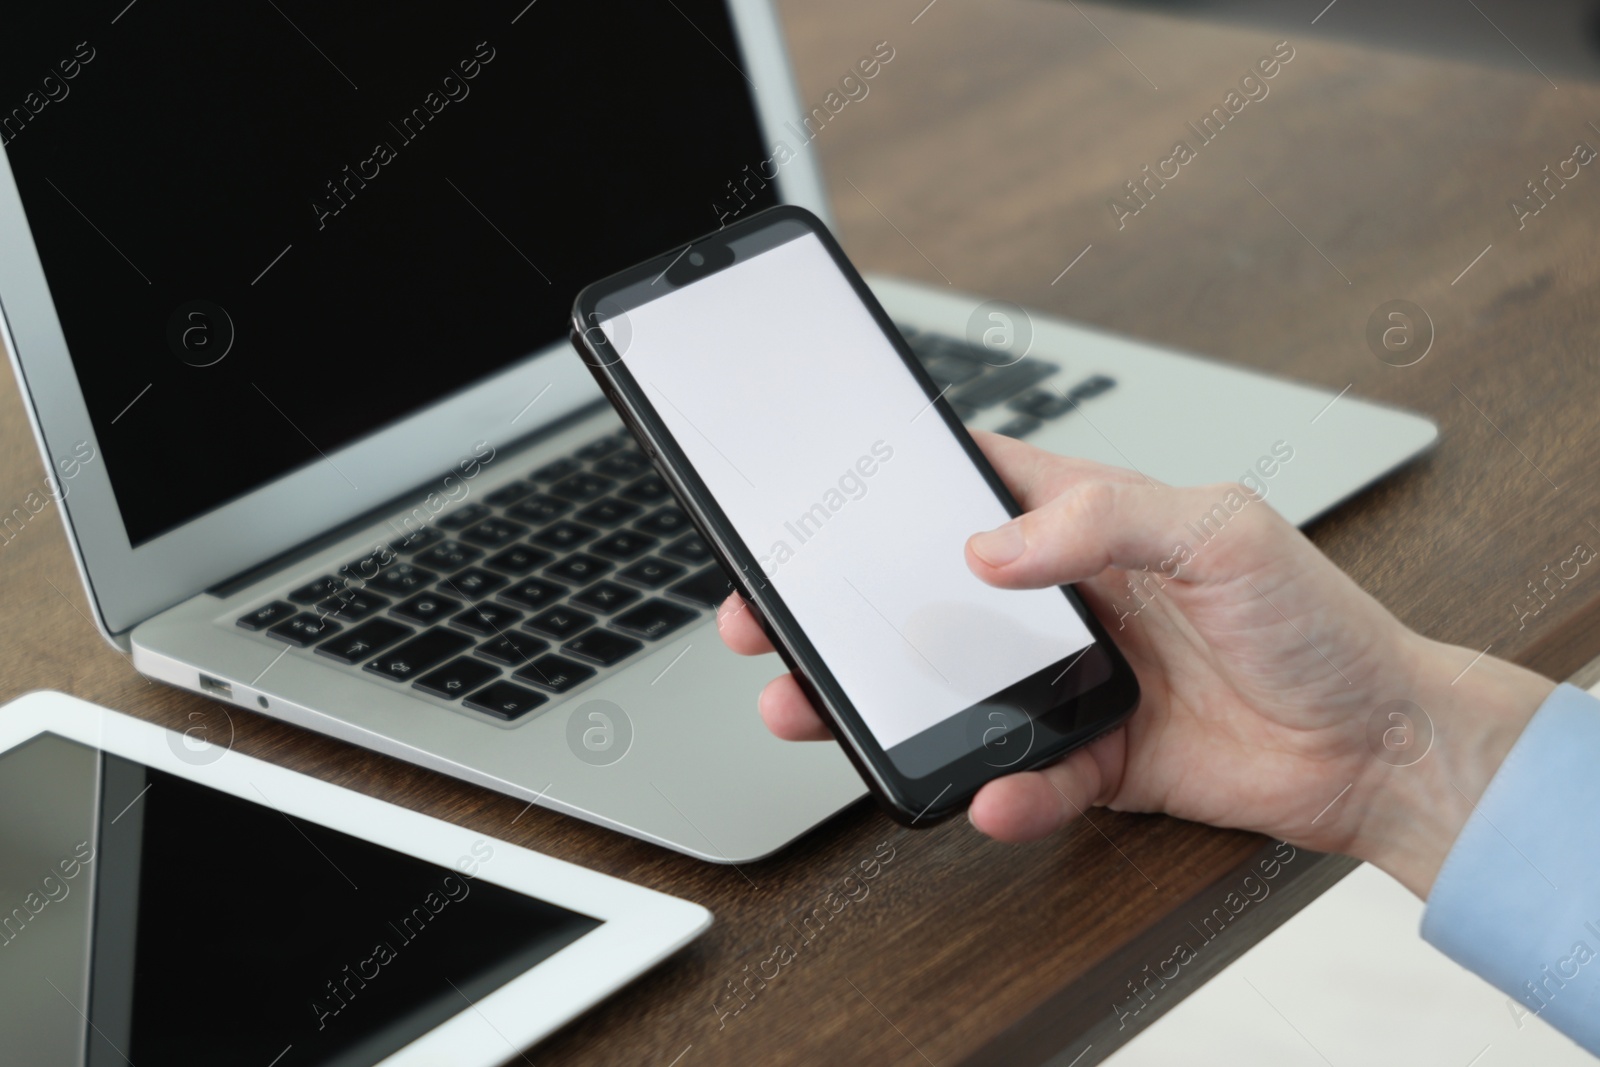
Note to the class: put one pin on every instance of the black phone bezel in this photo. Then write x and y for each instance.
(916, 801)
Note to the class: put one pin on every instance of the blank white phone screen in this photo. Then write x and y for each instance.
(836, 472)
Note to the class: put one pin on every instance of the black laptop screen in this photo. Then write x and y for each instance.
(270, 228)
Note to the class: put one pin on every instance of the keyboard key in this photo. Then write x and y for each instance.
(1002, 383)
(449, 555)
(456, 678)
(508, 494)
(564, 535)
(352, 606)
(492, 533)
(1040, 403)
(487, 619)
(602, 647)
(474, 583)
(947, 370)
(539, 509)
(403, 579)
(606, 597)
(624, 545)
(513, 648)
(304, 629)
(654, 619)
(358, 572)
(1027, 401)
(364, 641)
(690, 550)
(603, 447)
(418, 654)
(708, 588)
(622, 465)
(554, 472)
(533, 593)
(650, 490)
(266, 615)
(505, 701)
(1056, 407)
(1091, 388)
(461, 518)
(582, 486)
(668, 522)
(561, 623)
(609, 512)
(519, 560)
(1020, 426)
(579, 568)
(320, 589)
(652, 573)
(420, 538)
(426, 608)
(555, 674)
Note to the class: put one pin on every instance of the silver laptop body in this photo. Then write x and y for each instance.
(493, 584)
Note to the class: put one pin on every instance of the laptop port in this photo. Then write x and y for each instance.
(216, 687)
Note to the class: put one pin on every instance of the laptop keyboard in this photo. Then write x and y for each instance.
(974, 382)
(560, 576)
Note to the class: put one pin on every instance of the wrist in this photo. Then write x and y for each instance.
(1470, 717)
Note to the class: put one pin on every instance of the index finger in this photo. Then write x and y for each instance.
(738, 626)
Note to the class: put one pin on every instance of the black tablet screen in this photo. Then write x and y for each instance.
(146, 918)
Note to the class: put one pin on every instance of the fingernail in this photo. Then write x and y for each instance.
(1001, 546)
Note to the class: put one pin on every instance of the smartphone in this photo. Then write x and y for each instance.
(837, 488)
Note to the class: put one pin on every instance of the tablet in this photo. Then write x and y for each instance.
(166, 900)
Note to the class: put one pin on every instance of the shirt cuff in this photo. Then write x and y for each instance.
(1518, 898)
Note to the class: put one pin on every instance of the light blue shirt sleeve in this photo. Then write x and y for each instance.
(1518, 898)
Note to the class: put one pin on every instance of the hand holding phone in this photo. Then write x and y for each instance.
(1278, 696)
(838, 490)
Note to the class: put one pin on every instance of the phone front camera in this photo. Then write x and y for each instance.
(696, 259)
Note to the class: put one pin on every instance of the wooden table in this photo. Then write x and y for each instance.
(989, 147)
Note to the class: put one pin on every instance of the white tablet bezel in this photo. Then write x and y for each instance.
(127, 585)
(640, 927)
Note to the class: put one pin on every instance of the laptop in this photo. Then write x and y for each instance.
(285, 287)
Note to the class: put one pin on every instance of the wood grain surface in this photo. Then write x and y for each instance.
(984, 156)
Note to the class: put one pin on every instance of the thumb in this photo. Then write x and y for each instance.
(1094, 524)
